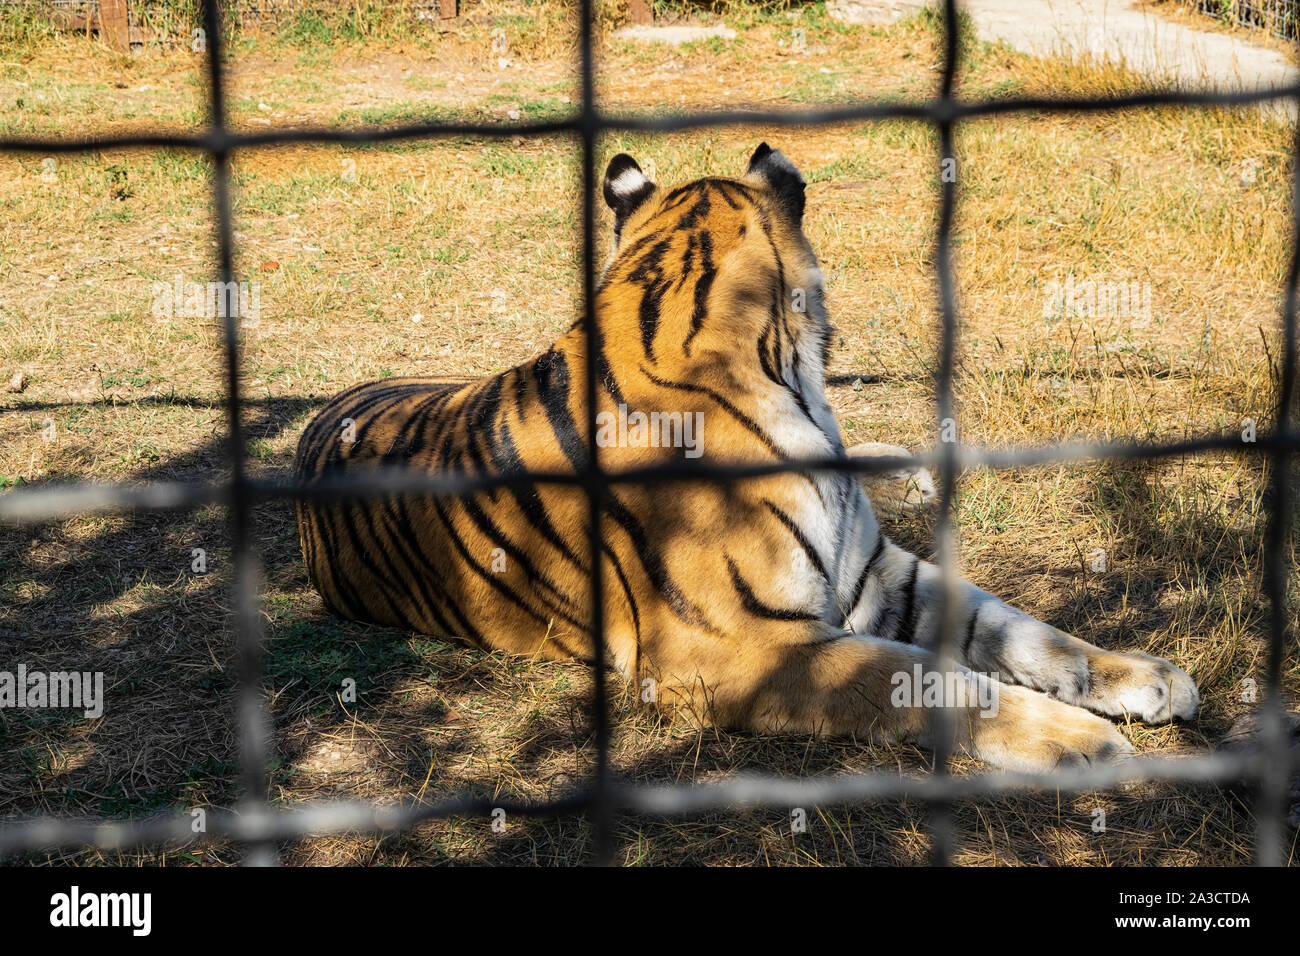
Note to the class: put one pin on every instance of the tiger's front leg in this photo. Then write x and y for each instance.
(896, 597)
(1115, 683)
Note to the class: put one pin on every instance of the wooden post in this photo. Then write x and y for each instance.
(639, 13)
(113, 24)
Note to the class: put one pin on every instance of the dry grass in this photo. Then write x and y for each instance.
(429, 231)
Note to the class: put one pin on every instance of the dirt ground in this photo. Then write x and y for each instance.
(1154, 38)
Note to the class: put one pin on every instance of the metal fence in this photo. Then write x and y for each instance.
(258, 827)
(168, 21)
(1279, 17)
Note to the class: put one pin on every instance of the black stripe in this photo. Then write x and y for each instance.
(688, 261)
(604, 370)
(466, 627)
(970, 632)
(622, 260)
(797, 389)
(551, 371)
(411, 438)
(652, 563)
(492, 579)
(725, 187)
(800, 537)
(866, 570)
(322, 436)
(907, 624)
(481, 435)
(422, 430)
(401, 541)
(337, 591)
(756, 607)
(529, 499)
(748, 423)
(679, 196)
(404, 526)
(702, 287)
(627, 592)
(364, 414)
(350, 515)
(698, 212)
(488, 528)
(650, 276)
(769, 358)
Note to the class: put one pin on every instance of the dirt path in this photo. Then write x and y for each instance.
(1117, 30)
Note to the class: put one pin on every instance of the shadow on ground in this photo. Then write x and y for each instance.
(118, 594)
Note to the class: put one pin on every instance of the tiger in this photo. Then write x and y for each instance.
(775, 604)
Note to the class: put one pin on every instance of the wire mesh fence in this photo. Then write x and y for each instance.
(1279, 17)
(235, 10)
(172, 21)
(259, 827)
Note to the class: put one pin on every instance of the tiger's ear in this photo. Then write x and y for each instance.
(626, 188)
(781, 176)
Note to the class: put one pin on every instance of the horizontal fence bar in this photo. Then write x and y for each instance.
(753, 791)
(931, 111)
(43, 503)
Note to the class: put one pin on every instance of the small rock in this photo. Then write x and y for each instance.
(18, 382)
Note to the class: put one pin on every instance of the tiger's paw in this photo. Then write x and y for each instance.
(1140, 685)
(899, 490)
(1033, 733)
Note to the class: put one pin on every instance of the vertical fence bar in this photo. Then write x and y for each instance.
(941, 718)
(601, 808)
(1272, 787)
(251, 719)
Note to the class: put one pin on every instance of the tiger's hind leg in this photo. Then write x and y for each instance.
(846, 684)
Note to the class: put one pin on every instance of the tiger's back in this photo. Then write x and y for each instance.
(776, 603)
(696, 270)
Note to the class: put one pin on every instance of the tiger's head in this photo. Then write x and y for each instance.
(716, 276)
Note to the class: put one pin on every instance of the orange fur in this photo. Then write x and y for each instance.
(733, 599)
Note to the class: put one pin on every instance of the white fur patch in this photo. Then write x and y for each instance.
(628, 183)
